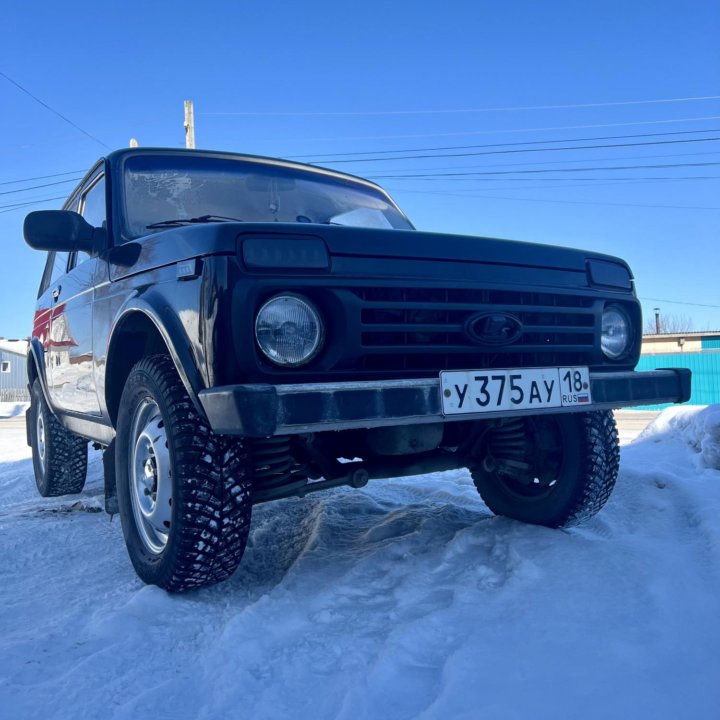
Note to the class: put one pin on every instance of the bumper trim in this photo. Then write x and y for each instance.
(264, 410)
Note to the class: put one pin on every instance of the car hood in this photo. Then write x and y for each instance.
(371, 252)
(412, 244)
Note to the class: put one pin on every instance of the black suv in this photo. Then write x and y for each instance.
(233, 329)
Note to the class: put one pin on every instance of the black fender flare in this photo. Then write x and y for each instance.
(36, 359)
(156, 309)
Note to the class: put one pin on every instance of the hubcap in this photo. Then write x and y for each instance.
(150, 476)
(40, 433)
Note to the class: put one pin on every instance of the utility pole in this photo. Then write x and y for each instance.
(657, 320)
(189, 125)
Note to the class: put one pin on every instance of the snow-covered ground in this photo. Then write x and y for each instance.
(12, 409)
(403, 600)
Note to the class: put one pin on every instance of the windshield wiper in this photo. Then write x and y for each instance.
(192, 221)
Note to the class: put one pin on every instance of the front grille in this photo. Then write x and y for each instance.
(422, 329)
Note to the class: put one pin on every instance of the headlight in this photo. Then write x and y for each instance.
(617, 335)
(289, 330)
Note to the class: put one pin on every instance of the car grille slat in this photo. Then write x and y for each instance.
(385, 349)
(423, 329)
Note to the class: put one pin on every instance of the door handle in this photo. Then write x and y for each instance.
(56, 293)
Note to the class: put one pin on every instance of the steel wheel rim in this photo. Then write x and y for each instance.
(40, 433)
(150, 476)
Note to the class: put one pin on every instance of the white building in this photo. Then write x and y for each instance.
(13, 370)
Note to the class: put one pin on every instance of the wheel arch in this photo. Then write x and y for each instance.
(36, 368)
(141, 330)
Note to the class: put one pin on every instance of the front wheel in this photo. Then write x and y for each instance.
(553, 470)
(184, 493)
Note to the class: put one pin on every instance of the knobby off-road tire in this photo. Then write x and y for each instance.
(59, 456)
(576, 458)
(184, 493)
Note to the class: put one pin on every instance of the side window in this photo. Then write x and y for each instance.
(92, 208)
(49, 259)
(92, 204)
(60, 266)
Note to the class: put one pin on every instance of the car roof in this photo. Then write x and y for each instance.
(118, 156)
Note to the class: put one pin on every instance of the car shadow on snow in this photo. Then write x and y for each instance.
(298, 541)
(20, 495)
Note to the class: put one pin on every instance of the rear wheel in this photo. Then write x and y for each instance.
(184, 493)
(553, 470)
(59, 456)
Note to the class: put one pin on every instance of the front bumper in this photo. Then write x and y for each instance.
(266, 410)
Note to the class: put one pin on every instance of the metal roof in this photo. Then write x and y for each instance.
(17, 347)
(691, 333)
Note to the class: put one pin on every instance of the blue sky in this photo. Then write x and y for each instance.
(323, 79)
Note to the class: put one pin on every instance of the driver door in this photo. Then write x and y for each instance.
(71, 379)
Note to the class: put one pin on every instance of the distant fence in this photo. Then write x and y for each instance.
(14, 395)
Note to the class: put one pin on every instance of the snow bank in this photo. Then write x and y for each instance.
(697, 425)
(13, 409)
(401, 601)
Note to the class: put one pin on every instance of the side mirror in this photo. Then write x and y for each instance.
(59, 230)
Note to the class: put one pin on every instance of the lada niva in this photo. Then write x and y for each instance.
(232, 329)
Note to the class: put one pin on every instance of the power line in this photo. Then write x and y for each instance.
(20, 203)
(559, 179)
(526, 150)
(586, 202)
(451, 147)
(366, 113)
(555, 162)
(19, 206)
(503, 131)
(512, 144)
(567, 183)
(460, 147)
(544, 162)
(680, 302)
(39, 177)
(44, 185)
(52, 110)
(545, 170)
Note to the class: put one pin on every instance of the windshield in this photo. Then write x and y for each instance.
(159, 189)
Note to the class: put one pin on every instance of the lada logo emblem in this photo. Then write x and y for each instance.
(496, 328)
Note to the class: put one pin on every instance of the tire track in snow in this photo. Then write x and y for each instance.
(406, 599)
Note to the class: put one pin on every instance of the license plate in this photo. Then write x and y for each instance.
(478, 391)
